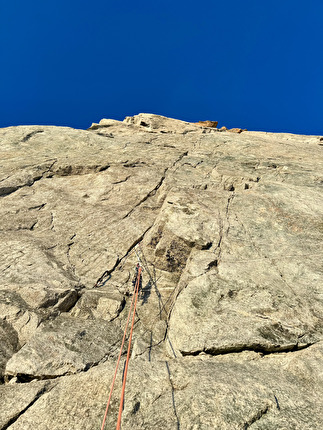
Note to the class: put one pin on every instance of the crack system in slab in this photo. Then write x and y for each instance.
(159, 184)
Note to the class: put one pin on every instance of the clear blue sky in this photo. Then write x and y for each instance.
(254, 64)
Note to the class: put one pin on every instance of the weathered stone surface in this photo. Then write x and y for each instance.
(228, 329)
(17, 398)
(213, 124)
(161, 124)
(236, 130)
(8, 343)
(236, 391)
(65, 345)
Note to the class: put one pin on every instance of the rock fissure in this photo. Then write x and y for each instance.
(150, 194)
(6, 191)
(119, 260)
(122, 180)
(159, 184)
(69, 246)
(30, 135)
(43, 391)
(178, 424)
(261, 349)
(257, 416)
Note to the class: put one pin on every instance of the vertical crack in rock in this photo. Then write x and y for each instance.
(69, 246)
(223, 233)
(173, 396)
(32, 227)
(52, 221)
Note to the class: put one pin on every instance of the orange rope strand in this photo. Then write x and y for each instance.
(122, 344)
(128, 353)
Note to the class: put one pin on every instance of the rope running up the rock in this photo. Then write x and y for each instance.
(134, 300)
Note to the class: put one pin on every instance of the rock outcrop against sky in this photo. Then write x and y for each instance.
(229, 324)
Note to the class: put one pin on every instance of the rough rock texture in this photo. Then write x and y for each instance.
(229, 324)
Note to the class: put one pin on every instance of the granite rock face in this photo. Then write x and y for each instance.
(228, 227)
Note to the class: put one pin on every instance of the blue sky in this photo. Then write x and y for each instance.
(250, 64)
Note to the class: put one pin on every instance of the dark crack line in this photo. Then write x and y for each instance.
(30, 135)
(277, 403)
(253, 348)
(150, 194)
(223, 233)
(69, 246)
(52, 221)
(6, 268)
(9, 190)
(32, 227)
(179, 159)
(38, 207)
(256, 417)
(159, 184)
(173, 396)
(43, 391)
(122, 180)
(107, 274)
(4, 179)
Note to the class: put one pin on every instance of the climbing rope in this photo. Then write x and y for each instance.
(133, 304)
(128, 353)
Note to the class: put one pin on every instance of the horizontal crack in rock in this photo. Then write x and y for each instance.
(5, 191)
(264, 350)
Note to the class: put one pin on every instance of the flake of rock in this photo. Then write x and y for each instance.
(212, 124)
(160, 123)
(8, 344)
(65, 345)
(99, 305)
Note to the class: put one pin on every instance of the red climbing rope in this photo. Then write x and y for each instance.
(129, 348)
(135, 296)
